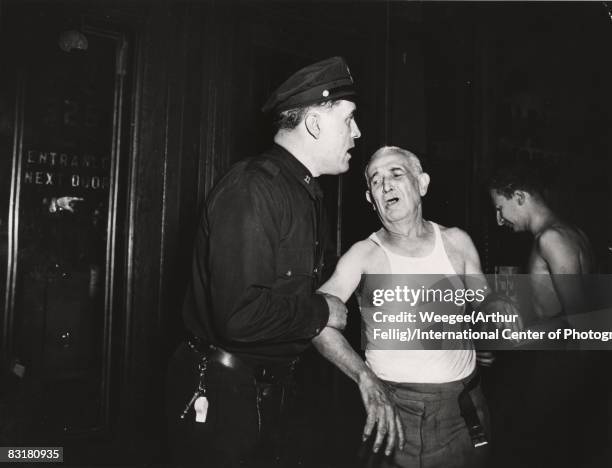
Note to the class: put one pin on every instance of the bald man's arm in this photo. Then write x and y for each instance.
(342, 284)
(475, 279)
(464, 247)
(335, 348)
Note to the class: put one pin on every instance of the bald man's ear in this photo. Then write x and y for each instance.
(311, 121)
(423, 183)
(369, 199)
(520, 196)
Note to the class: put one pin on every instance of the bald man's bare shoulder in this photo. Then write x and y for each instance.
(459, 248)
(368, 257)
(454, 237)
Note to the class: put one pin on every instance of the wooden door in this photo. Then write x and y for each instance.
(64, 88)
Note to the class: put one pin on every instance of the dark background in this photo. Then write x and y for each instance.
(175, 90)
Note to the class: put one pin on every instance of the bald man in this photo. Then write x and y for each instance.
(411, 396)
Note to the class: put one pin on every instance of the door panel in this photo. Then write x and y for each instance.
(61, 221)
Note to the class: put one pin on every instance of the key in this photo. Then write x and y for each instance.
(191, 402)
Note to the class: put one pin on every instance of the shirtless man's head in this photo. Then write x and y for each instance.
(517, 193)
(518, 196)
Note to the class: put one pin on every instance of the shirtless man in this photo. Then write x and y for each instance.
(553, 412)
(410, 395)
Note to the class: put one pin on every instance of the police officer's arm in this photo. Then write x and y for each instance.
(334, 347)
(245, 218)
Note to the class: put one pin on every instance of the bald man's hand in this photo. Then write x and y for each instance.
(380, 413)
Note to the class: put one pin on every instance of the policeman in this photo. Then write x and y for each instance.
(251, 307)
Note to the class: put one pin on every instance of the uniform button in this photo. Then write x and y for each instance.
(317, 331)
(289, 273)
(316, 242)
(316, 270)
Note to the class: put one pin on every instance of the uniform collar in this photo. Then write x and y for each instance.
(298, 170)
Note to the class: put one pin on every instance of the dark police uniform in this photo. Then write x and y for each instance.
(257, 261)
(251, 307)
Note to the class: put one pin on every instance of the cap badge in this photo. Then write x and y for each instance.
(349, 73)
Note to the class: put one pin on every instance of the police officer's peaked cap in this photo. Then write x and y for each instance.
(327, 80)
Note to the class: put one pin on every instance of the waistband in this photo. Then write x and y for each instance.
(438, 390)
(273, 372)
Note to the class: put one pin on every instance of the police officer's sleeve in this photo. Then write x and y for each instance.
(244, 222)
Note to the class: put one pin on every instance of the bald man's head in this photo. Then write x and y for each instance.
(412, 160)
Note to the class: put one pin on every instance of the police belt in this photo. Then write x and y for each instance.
(260, 372)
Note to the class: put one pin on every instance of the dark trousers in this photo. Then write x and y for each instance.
(247, 419)
(436, 434)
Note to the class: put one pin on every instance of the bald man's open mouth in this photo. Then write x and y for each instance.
(391, 201)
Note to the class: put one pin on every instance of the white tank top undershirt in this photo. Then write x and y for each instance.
(421, 366)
